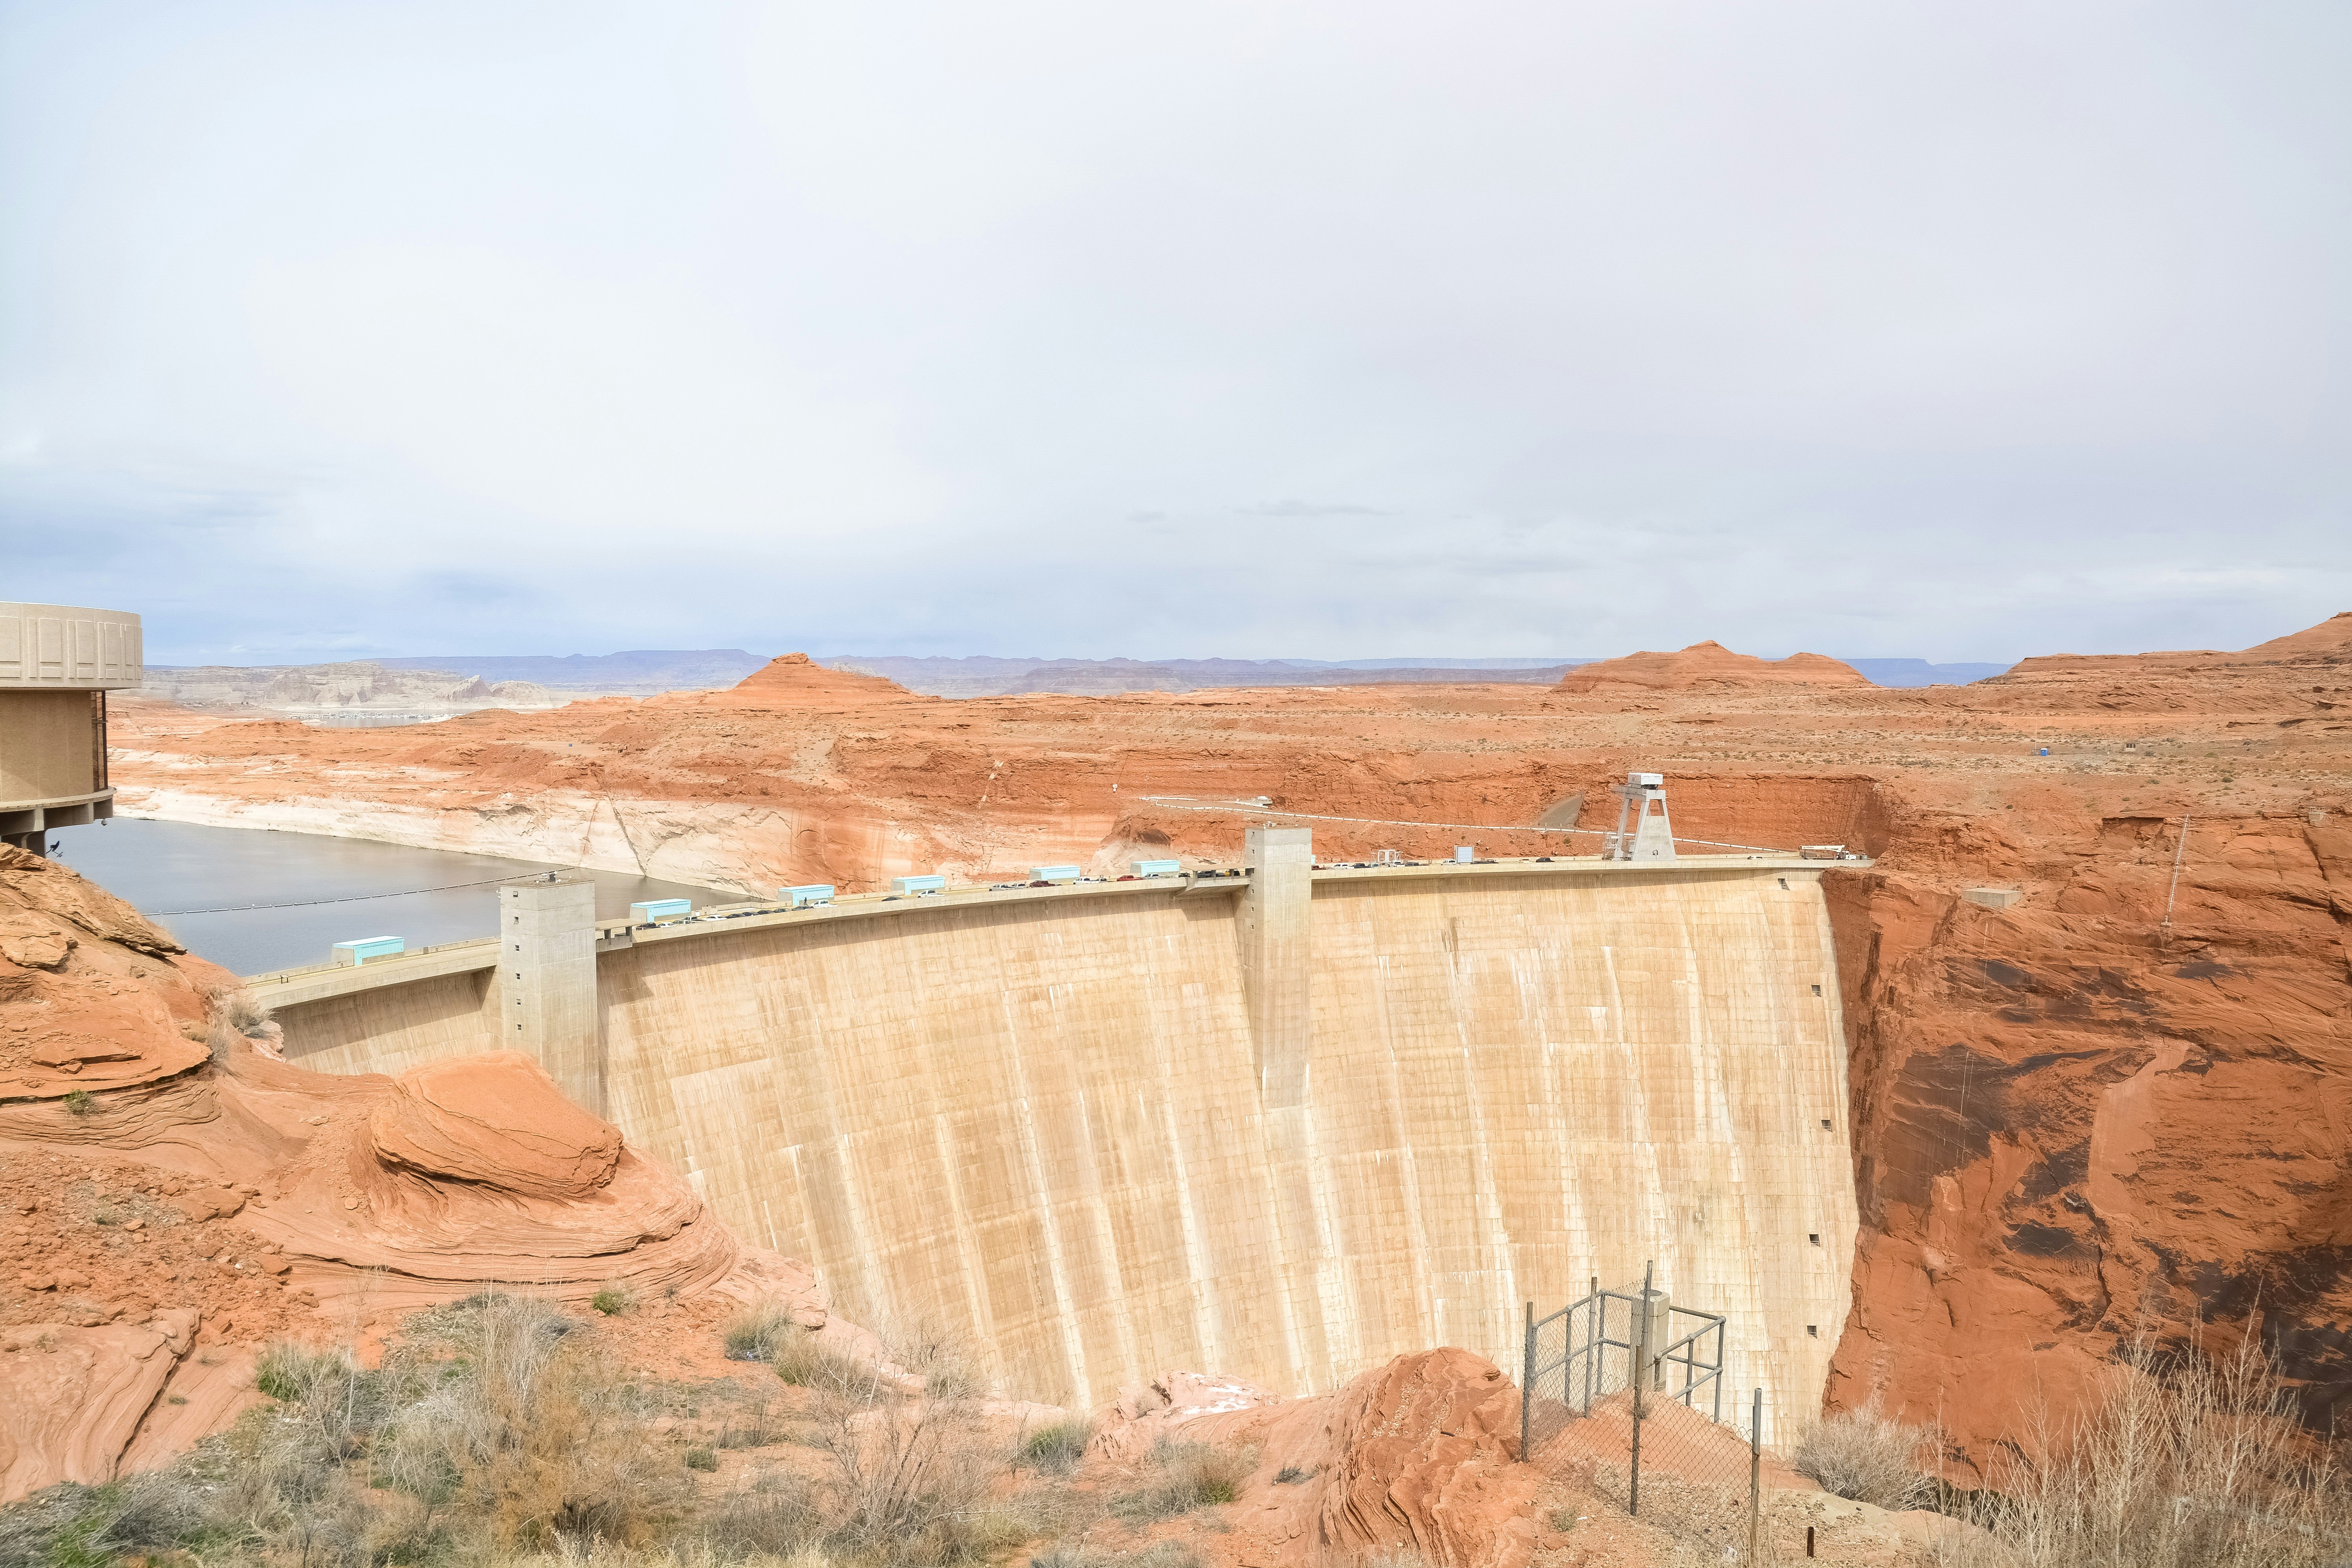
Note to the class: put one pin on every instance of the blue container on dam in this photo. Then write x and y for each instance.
(918, 884)
(656, 910)
(1055, 873)
(1157, 867)
(802, 896)
(368, 947)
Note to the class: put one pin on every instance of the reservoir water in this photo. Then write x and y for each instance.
(255, 900)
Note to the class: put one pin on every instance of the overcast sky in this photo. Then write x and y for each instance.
(1956, 330)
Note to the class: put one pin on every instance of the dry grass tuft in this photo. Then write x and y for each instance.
(1158, 1554)
(753, 1333)
(805, 1360)
(1056, 1448)
(498, 1433)
(1184, 1476)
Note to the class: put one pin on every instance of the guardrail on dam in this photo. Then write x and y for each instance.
(1279, 1126)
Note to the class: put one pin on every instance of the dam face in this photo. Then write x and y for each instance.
(1110, 1131)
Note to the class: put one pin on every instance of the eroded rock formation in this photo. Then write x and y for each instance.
(2072, 1118)
(170, 1202)
(1420, 1455)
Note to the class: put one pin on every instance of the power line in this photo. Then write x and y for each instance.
(312, 904)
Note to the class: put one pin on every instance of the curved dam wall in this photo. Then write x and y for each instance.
(1281, 1130)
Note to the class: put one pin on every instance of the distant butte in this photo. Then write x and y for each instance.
(1709, 666)
(796, 680)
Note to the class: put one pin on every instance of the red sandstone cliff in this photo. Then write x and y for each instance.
(2071, 1120)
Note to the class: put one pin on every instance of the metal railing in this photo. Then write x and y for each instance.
(1593, 1361)
(1581, 1347)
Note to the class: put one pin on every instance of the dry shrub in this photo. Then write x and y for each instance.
(534, 1429)
(1057, 1448)
(1184, 1476)
(910, 1472)
(327, 1391)
(753, 1333)
(276, 1483)
(1870, 1457)
(2186, 1460)
(942, 1357)
(496, 1433)
(233, 1014)
(1052, 1512)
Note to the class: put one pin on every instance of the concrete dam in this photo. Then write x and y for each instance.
(1280, 1125)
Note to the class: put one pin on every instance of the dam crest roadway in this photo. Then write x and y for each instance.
(1282, 1124)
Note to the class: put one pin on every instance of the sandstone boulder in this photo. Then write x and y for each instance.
(497, 1120)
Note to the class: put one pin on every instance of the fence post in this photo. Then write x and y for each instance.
(1596, 1329)
(1720, 1359)
(1755, 1477)
(1527, 1384)
(1639, 1378)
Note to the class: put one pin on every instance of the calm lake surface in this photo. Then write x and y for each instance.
(339, 889)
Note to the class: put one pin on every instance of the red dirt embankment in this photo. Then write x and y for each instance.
(2070, 1118)
(164, 1213)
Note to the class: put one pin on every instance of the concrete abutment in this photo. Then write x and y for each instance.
(546, 982)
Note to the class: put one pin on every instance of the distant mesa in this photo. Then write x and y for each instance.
(352, 688)
(1709, 666)
(980, 674)
(639, 672)
(2328, 644)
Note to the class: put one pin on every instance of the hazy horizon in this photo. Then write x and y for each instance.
(1530, 330)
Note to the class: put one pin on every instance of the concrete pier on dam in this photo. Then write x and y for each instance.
(1280, 1125)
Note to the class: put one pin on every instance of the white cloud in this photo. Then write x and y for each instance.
(1247, 329)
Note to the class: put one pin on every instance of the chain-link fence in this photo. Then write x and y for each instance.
(1628, 1397)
